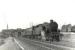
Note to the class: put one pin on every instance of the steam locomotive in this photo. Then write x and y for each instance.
(35, 33)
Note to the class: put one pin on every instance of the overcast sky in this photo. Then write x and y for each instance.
(21, 13)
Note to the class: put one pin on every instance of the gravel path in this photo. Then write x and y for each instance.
(10, 45)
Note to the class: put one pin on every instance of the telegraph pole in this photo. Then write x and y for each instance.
(31, 24)
(32, 30)
(7, 27)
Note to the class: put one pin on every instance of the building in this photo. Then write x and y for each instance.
(66, 28)
(14, 32)
(73, 28)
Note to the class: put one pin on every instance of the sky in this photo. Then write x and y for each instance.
(24, 13)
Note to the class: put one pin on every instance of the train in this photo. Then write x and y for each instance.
(35, 33)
